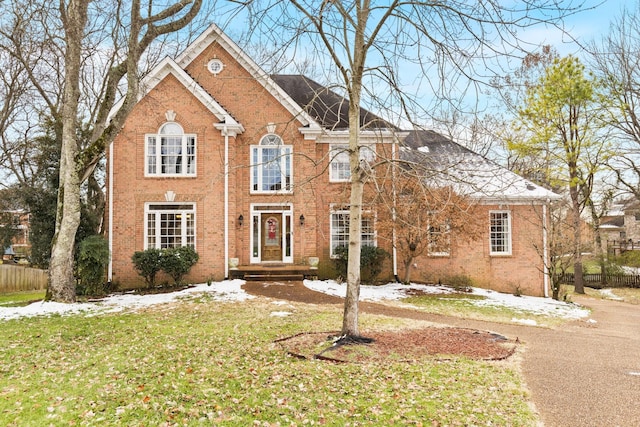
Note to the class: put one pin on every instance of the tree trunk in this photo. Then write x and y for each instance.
(61, 285)
(350, 318)
(578, 281)
(407, 269)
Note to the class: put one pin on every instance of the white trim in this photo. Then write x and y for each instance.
(509, 232)
(214, 33)
(286, 155)
(332, 158)
(110, 193)
(366, 137)
(158, 156)
(343, 210)
(256, 210)
(169, 67)
(183, 224)
(226, 202)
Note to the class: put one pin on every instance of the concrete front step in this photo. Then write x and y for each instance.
(265, 277)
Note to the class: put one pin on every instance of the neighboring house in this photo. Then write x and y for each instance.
(20, 223)
(620, 227)
(252, 168)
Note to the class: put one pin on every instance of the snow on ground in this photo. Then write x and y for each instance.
(231, 291)
(608, 293)
(526, 304)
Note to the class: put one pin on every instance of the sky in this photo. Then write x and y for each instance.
(231, 291)
(589, 24)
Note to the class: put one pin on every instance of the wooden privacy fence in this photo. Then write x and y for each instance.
(612, 281)
(14, 278)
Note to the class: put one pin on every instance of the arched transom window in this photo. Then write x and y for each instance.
(271, 166)
(171, 152)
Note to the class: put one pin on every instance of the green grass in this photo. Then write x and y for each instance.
(211, 363)
(17, 299)
(461, 305)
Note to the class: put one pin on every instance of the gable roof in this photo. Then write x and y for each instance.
(325, 106)
(169, 67)
(215, 34)
(445, 162)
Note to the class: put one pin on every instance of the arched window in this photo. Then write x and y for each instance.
(171, 151)
(271, 165)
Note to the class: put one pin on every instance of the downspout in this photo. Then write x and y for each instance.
(226, 202)
(394, 250)
(110, 192)
(545, 250)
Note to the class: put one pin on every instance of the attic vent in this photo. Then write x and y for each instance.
(215, 66)
(423, 149)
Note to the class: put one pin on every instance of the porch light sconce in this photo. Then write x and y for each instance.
(301, 220)
(240, 220)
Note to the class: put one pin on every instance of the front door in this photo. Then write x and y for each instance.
(271, 237)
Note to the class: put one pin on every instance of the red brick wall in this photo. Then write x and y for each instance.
(254, 107)
(519, 272)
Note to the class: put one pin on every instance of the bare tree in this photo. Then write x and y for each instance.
(615, 59)
(104, 46)
(371, 47)
(423, 219)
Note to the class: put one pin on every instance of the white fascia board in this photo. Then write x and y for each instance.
(168, 66)
(384, 136)
(214, 33)
(232, 129)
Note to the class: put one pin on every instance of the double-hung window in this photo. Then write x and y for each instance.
(170, 225)
(340, 230)
(271, 166)
(339, 167)
(439, 239)
(500, 233)
(171, 152)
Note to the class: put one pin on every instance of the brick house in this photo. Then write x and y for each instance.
(20, 222)
(250, 168)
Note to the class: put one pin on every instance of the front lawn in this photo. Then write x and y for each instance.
(203, 362)
(17, 299)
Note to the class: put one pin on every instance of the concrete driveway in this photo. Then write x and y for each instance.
(584, 373)
(587, 373)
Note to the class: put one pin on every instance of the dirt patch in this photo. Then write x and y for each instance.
(402, 345)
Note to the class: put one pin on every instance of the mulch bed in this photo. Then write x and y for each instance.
(402, 345)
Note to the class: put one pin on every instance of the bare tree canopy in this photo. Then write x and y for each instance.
(389, 54)
(77, 58)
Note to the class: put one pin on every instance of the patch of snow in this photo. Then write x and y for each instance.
(533, 305)
(396, 291)
(391, 291)
(529, 322)
(231, 291)
(280, 313)
(608, 293)
(228, 290)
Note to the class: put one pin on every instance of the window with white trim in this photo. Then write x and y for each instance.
(339, 167)
(340, 230)
(500, 233)
(171, 152)
(439, 239)
(170, 225)
(271, 166)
